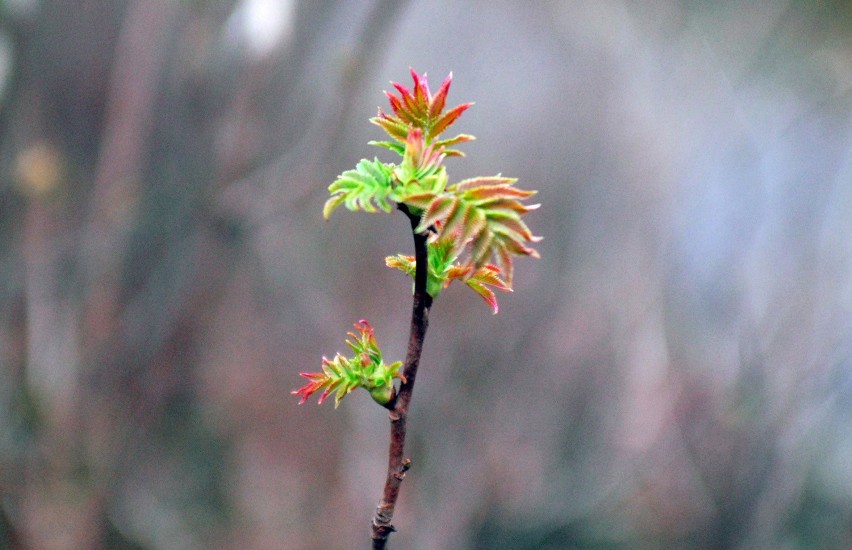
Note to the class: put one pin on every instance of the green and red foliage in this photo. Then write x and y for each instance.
(467, 231)
(481, 215)
(365, 369)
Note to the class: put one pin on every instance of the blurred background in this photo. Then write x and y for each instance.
(675, 372)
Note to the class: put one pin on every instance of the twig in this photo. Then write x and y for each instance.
(397, 464)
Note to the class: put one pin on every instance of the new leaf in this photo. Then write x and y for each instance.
(443, 270)
(365, 188)
(484, 213)
(365, 369)
(419, 109)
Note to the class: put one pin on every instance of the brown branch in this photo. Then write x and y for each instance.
(397, 464)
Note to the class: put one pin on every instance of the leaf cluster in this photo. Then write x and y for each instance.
(366, 369)
(484, 213)
(418, 108)
(474, 227)
(481, 214)
(443, 270)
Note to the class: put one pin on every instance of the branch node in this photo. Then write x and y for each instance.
(382, 520)
(406, 465)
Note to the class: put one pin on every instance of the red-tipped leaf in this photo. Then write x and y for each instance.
(436, 104)
(448, 118)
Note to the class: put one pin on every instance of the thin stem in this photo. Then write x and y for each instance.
(397, 464)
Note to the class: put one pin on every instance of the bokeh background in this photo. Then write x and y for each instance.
(674, 372)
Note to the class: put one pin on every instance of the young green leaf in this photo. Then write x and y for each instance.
(365, 188)
(419, 161)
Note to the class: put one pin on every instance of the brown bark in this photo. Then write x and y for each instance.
(398, 465)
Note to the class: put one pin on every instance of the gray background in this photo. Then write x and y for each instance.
(674, 372)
